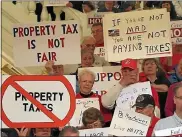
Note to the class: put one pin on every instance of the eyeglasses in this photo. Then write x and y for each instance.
(97, 31)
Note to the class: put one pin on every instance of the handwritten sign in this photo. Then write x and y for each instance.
(96, 132)
(35, 44)
(99, 51)
(176, 31)
(36, 101)
(106, 78)
(81, 106)
(55, 2)
(128, 123)
(169, 132)
(129, 94)
(137, 34)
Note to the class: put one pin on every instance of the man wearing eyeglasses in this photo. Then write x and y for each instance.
(176, 119)
(145, 105)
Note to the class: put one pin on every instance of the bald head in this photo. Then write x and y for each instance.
(88, 43)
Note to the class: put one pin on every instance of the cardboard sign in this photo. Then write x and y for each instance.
(169, 132)
(37, 101)
(106, 78)
(96, 132)
(137, 35)
(128, 96)
(35, 44)
(128, 123)
(81, 106)
(176, 32)
(55, 2)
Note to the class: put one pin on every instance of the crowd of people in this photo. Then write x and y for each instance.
(164, 106)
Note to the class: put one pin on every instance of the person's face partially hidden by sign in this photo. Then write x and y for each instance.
(167, 6)
(70, 134)
(148, 111)
(42, 132)
(97, 32)
(96, 124)
(109, 5)
(87, 59)
(86, 83)
(130, 75)
(58, 69)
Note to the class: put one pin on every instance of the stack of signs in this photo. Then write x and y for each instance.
(137, 34)
(128, 123)
(41, 42)
(106, 78)
(81, 106)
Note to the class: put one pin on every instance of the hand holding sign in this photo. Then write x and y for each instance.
(22, 132)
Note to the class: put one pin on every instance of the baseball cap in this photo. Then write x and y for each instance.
(129, 63)
(144, 100)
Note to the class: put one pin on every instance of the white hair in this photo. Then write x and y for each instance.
(87, 38)
(84, 72)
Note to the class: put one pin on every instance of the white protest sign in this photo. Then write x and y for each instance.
(176, 31)
(128, 96)
(137, 34)
(55, 2)
(106, 78)
(99, 51)
(40, 42)
(95, 132)
(169, 132)
(37, 101)
(81, 106)
(128, 123)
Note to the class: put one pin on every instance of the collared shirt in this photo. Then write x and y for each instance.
(169, 122)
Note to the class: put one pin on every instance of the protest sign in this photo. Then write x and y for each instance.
(35, 44)
(95, 17)
(81, 106)
(55, 2)
(129, 94)
(169, 132)
(96, 132)
(176, 32)
(99, 51)
(37, 101)
(106, 78)
(128, 123)
(137, 34)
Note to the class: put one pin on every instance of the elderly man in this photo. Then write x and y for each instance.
(130, 76)
(69, 131)
(145, 105)
(89, 44)
(86, 80)
(176, 119)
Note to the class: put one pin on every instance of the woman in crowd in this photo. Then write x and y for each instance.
(88, 7)
(86, 80)
(92, 118)
(170, 8)
(161, 84)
